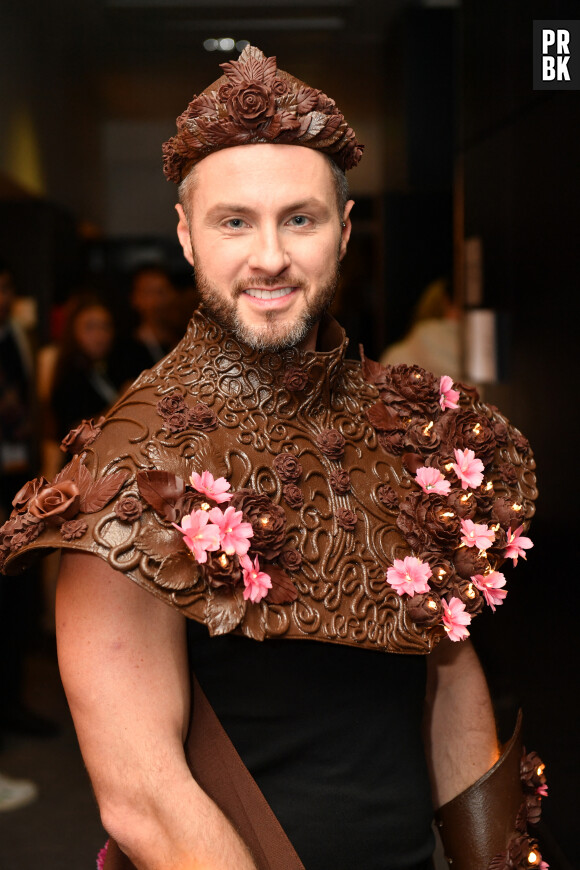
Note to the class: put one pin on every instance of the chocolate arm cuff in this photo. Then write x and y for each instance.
(477, 824)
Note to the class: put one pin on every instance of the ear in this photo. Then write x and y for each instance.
(184, 235)
(346, 229)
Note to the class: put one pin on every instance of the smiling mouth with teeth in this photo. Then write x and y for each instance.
(269, 294)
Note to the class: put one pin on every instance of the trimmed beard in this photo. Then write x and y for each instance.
(276, 334)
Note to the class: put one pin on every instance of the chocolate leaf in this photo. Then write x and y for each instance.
(381, 417)
(177, 572)
(207, 458)
(373, 372)
(253, 624)
(283, 589)
(161, 489)
(157, 542)
(100, 492)
(224, 611)
(70, 471)
(412, 461)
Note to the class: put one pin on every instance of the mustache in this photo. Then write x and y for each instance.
(264, 283)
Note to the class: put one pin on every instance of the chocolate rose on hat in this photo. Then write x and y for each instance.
(255, 102)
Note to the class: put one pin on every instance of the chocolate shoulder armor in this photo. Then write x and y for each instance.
(296, 495)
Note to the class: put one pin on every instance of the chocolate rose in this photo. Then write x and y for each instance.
(519, 848)
(468, 594)
(468, 562)
(81, 437)
(393, 442)
(293, 495)
(331, 443)
(500, 430)
(221, 570)
(442, 571)
(346, 519)
(177, 422)
(485, 496)
(57, 503)
(532, 771)
(267, 519)
(520, 441)
(463, 502)
(18, 541)
(424, 608)
(427, 521)
(507, 473)
(251, 104)
(422, 435)
(294, 380)
(189, 502)
(172, 404)
(340, 481)
(533, 808)
(388, 496)
(73, 529)
(411, 388)
(128, 509)
(287, 467)
(290, 559)
(507, 510)
(202, 417)
(466, 430)
(28, 491)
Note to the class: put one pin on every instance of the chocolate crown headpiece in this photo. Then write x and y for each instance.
(252, 102)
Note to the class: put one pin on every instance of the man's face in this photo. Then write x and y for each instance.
(265, 239)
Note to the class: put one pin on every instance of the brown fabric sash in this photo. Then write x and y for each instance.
(219, 770)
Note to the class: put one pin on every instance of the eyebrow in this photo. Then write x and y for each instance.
(236, 208)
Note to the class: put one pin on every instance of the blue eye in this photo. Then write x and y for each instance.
(235, 223)
(299, 220)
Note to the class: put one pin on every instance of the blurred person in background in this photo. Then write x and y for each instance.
(18, 601)
(156, 303)
(86, 381)
(434, 339)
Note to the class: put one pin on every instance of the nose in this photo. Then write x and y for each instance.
(268, 254)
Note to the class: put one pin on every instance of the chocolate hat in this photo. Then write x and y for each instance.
(256, 102)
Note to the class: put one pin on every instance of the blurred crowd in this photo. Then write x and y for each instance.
(44, 393)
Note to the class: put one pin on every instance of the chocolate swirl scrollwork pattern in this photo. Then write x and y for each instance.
(216, 405)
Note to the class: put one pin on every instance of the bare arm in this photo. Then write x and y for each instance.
(123, 661)
(461, 736)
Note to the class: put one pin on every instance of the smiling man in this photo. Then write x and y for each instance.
(257, 488)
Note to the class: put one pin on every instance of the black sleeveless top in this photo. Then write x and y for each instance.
(332, 735)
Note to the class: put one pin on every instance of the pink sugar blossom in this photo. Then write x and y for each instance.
(455, 619)
(517, 545)
(214, 488)
(468, 469)
(256, 582)
(201, 536)
(449, 396)
(490, 584)
(431, 480)
(542, 790)
(234, 533)
(409, 575)
(544, 865)
(476, 535)
(102, 856)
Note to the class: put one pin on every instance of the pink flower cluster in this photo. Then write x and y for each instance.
(448, 396)
(205, 531)
(455, 619)
(409, 575)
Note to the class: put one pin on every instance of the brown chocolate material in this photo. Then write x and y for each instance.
(486, 826)
(254, 102)
(477, 824)
(133, 482)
